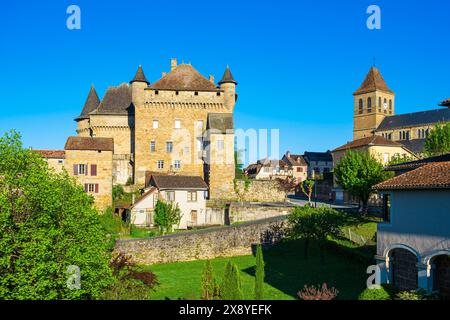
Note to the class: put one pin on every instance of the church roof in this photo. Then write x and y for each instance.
(140, 76)
(414, 119)
(90, 105)
(416, 145)
(184, 78)
(368, 141)
(318, 156)
(373, 81)
(227, 77)
(117, 100)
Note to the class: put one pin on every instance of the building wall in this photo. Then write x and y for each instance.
(118, 127)
(56, 164)
(103, 160)
(142, 212)
(413, 132)
(220, 166)
(365, 123)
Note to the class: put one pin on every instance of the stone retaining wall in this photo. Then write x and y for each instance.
(257, 211)
(203, 244)
(262, 191)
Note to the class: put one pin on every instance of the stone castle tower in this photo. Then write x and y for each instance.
(373, 101)
(180, 124)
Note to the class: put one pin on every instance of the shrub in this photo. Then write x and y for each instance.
(259, 274)
(231, 285)
(166, 216)
(419, 294)
(318, 293)
(210, 289)
(117, 192)
(384, 292)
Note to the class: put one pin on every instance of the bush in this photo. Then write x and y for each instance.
(419, 294)
(259, 274)
(231, 285)
(117, 192)
(384, 292)
(210, 289)
(318, 293)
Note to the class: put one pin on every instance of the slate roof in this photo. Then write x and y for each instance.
(227, 77)
(418, 163)
(414, 119)
(88, 143)
(140, 76)
(430, 176)
(90, 105)
(223, 122)
(117, 100)
(417, 145)
(368, 141)
(318, 156)
(176, 182)
(184, 78)
(52, 154)
(373, 81)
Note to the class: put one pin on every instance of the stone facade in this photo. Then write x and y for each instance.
(262, 191)
(251, 212)
(98, 185)
(205, 244)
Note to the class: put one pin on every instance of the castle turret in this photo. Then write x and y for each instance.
(373, 101)
(138, 84)
(228, 85)
(90, 105)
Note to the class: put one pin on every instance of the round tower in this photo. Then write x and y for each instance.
(228, 85)
(138, 84)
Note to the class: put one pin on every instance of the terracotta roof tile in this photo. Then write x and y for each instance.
(368, 141)
(49, 154)
(296, 160)
(430, 176)
(87, 143)
(373, 81)
(184, 77)
(418, 163)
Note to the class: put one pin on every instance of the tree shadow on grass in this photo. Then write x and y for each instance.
(287, 270)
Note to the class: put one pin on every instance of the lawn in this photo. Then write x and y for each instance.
(287, 271)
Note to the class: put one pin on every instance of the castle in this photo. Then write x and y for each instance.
(180, 124)
(374, 114)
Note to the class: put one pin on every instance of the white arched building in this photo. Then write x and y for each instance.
(413, 242)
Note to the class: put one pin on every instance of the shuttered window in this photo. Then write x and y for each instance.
(93, 170)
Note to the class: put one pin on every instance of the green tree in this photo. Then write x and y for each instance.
(167, 214)
(397, 159)
(231, 284)
(259, 274)
(314, 224)
(210, 289)
(47, 224)
(358, 172)
(438, 141)
(238, 165)
(307, 187)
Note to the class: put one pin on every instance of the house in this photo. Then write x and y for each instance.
(268, 169)
(413, 242)
(318, 163)
(297, 165)
(55, 158)
(189, 193)
(374, 114)
(90, 161)
(182, 122)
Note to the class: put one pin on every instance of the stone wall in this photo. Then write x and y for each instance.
(197, 245)
(262, 191)
(256, 211)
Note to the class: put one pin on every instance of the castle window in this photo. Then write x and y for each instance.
(91, 187)
(169, 146)
(152, 146)
(156, 92)
(177, 93)
(390, 104)
(155, 124)
(177, 164)
(218, 94)
(177, 124)
(79, 169)
(369, 105)
(361, 106)
(160, 164)
(196, 93)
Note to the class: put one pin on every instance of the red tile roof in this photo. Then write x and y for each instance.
(373, 81)
(88, 143)
(58, 154)
(430, 176)
(368, 141)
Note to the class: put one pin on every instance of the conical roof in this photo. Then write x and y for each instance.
(90, 105)
(373, 81)
(227, 77)
(140, 76)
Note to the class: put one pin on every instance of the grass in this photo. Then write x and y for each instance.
(287, 271)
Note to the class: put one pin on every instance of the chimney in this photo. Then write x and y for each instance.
(173, 63)
(164, 73)
(288, 154)
(211, 78)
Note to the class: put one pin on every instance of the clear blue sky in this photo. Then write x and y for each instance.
(297, 62)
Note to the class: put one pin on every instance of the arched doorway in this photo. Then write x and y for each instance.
(441, 275)
(404, 269)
